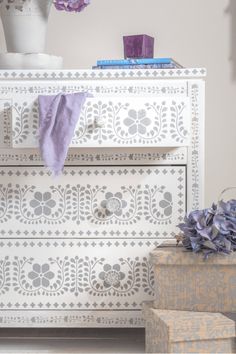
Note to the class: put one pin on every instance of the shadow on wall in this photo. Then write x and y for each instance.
(231, 11)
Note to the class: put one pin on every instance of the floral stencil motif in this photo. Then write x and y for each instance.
(166, 203)
(6, 202)
(137, 121)
(42, 203)
(32, 278)
(5, 275)
(111, 276)
(113, 204)
(55, 206)
(41, 275)
(13, 4)
(105, 207)
(21, 119)
(158, 205)
(122, 278)
(177, 125)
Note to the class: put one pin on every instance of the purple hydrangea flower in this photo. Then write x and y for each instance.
(211, 230)
(71, 5)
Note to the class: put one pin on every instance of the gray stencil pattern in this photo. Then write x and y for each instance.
(104, 75)
(72, 249)
(123, 123)
(94, 276)
(57, 204)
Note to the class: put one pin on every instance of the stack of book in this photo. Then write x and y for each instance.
(140, 63)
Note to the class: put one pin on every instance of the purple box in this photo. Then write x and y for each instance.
(138, 46)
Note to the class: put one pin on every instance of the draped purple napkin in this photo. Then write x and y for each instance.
(58, 116)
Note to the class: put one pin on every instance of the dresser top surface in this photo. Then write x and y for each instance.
(112, 74)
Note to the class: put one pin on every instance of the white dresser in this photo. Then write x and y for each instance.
(74, 249)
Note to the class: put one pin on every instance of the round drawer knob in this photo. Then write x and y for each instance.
(99, 123)
(113, 205)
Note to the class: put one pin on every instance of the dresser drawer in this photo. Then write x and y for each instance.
(134, 115)
(115, 122)
(81, 241)
(74, 282)
(95, 202)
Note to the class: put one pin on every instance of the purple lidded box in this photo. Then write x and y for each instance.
(138, 46)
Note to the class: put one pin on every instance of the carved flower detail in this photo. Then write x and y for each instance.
(42, 203)
(111, 276)
(137, 121)
(166, 203)
(113, 204)
(41, 275)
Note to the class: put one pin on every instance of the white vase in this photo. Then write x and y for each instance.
(30, 61)
(25, 24)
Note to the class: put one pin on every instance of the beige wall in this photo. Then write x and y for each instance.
(194, 32)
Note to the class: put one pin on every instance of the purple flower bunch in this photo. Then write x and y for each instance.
(211, 230)
(71, 5)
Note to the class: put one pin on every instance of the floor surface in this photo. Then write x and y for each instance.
(68, 341)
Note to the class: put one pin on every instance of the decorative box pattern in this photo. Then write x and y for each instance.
(75, 248)
(186, 276)
(169, 331)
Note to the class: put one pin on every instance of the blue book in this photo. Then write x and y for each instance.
(139, 66)
(141, 61)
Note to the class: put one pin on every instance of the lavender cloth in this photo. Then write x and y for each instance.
(58, 116)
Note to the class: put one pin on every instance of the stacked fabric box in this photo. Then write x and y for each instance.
(190, 293)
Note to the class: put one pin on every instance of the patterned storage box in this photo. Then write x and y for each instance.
(169, 331)
(185, 281)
